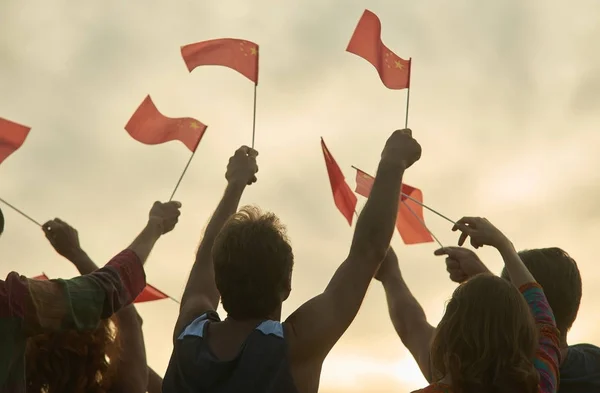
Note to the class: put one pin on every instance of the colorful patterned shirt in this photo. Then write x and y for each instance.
(547, 358)
(29, 307)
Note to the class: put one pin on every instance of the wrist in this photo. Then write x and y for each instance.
(505, 246)
(236, 185)
(75, 254)
(391, 165)
(154, 227)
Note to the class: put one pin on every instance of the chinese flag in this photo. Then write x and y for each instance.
(149, 126)
(344, 198)
(410, 224)
(239, 55)
(42, 277)
(12, 136)
(150, 294)
(366, 43)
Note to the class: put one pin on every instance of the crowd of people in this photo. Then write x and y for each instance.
(499, 334)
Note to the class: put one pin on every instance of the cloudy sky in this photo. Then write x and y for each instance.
(505, 102)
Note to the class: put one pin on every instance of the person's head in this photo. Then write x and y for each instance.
(486, 339)
(559, 276)
(75, 362)
(253, 263)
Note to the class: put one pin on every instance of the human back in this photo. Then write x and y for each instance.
(245, 261)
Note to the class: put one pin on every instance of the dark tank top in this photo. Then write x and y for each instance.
(261, 366)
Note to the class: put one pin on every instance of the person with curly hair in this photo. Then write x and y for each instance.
(30, 307)
(109, 359)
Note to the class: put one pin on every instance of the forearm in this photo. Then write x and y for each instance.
(82, 262)
(132, 376)
(375, 226)
(410, 322)
(519, 274)
(202, 274)
(144, 243)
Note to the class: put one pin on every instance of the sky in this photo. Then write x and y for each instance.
(505, 102)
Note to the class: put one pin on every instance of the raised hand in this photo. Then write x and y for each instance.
(461, 263)
(165, 215)
(401, 149)
(481, 232)
(242, 166)
(63, 237)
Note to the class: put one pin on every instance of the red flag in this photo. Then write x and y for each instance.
(410, 224)
(344, 198)
(42, 277)
(366, 43)
(12, 136)
(150, 294)
(240, 55)
(149, 126)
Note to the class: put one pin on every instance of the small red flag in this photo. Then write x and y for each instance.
(410, 226)
(150, 294)
(42, 277)
(240, 55)
(366, 43)
(149, 126)
(12, 136)
(344, 198)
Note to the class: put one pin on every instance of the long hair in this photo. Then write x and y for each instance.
(487, 339)
(72, 362)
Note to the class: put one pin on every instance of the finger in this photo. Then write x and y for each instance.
(252, 153)
(457, 276)
(406, 131)
(47, 226)
(441, 251)
(450, 251)
(462, 238)
(175, 204)
(452, 264)
(242, 151)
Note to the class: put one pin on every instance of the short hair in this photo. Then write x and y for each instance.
(486, 339)
(253, 262)
(560, 278)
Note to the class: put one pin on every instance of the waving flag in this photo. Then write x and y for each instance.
(366, 43)
(410, 224)
(150, 294)
(149, 126)
(239, 55)
(344, 198)
(12, 136)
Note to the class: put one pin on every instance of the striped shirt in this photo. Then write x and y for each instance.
(29, 307)
(547, 358)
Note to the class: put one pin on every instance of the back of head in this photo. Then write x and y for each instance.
(559, 276)
(253, 263)
(487, 339)
(71, 361)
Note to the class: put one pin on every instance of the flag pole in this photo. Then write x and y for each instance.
(20, 212)
(254, 116)
(422, 223)
(408, 93)
(182, 174)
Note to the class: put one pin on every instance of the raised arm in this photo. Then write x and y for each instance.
(406, 313)
(314, 328)
(132, 370)
(80, 303)
(201, 292)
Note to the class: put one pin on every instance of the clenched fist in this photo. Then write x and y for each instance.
(63, 237)
(242, 166)
(165, 215)
(401, 149)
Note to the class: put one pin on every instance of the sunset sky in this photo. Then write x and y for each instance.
(505, 102)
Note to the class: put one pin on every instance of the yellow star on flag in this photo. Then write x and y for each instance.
(194, 125)
(399, 65)
(253, 51)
